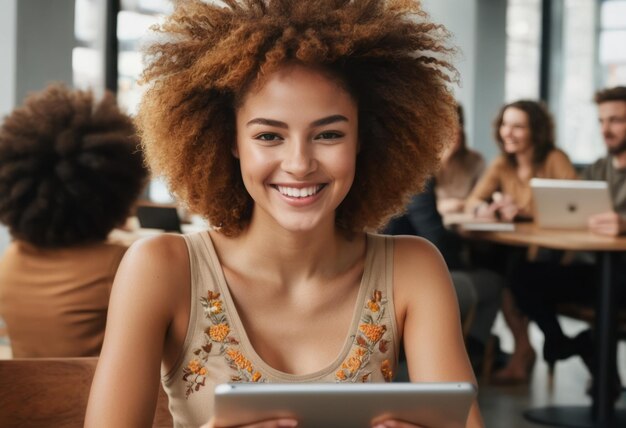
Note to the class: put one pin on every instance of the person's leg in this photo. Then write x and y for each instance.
(538, 287)
(488, 286)
(518, 368)
(465, 293)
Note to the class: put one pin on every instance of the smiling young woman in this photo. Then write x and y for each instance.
(295, 127)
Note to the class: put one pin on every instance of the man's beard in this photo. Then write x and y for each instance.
(619, 149)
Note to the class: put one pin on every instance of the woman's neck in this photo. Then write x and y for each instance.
(525, 159)
(288, 257)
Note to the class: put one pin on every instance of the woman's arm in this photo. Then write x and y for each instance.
(429, 315)
(150, 287)
(485, 187)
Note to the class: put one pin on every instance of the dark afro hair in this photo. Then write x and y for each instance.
(70, 168)
(387, 54)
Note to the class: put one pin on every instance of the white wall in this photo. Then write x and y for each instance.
(45, 39)
(479, 31)
(8, 35)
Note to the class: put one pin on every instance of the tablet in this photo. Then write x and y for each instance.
(567, 204)
(444, 405)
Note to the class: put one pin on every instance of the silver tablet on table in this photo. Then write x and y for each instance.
(442, 405)
(567, 204)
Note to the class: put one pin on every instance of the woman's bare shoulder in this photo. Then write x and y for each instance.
(417, 262)
(156, 262)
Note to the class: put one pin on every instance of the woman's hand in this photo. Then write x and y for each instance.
(271, 423)
(502, 208)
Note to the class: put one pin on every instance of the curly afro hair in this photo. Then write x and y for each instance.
(70, 168)
(389, 56)
(541, 127)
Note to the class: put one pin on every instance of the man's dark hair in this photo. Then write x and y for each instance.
(617, 93)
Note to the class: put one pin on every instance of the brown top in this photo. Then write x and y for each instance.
(457, 178)
(502, 176)
(54, 301)
(217, 349)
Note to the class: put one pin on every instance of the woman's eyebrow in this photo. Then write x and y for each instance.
(268, 122)
(330, 119)
(276, 123)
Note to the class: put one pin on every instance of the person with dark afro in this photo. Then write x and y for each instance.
(71, 168)
(297, 128)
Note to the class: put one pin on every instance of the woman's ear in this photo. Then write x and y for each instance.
(235, 151)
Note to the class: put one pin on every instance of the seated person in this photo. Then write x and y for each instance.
(70, 170)
(460, 169)
(478, 289)
(524, 132)
(538, 287)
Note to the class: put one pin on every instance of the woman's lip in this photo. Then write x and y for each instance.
(300, 200)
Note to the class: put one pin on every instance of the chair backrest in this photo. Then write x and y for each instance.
(53, 392)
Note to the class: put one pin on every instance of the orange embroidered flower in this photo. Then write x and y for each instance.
(218, 332)
(256, 376)
(353, 364)
(195, 367)
(215, 306)
(385, 369)
(241, 361)
(340, 375)
(374, 307)
(373, 332)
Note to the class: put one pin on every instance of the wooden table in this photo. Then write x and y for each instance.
(602, 412)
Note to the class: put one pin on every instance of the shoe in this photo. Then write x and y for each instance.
(581, 345)
(562, 349)
(506, 377)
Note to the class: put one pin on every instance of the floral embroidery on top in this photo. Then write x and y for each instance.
(367, 339)
(217, 341)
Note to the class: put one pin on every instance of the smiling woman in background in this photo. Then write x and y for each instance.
(70, 170)
(524, 131)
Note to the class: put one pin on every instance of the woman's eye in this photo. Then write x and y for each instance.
(329, 135)
(267, 137)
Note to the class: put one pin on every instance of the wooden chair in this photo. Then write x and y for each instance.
(53, 392)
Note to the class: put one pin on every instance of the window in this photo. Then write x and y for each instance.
(613, 42)
(87, 56)
(577, 129)
(523, 32)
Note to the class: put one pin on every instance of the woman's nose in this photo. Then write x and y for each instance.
(299, 159)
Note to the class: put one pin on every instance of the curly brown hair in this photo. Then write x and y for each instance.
(618, 93)
(70, 168)
(391, 59)
(541, 127)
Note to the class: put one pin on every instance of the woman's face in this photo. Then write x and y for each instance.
(297, 146)
(515, 131)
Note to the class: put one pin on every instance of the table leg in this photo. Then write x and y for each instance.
(602, 412)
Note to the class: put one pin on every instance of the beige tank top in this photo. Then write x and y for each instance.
(217, 350)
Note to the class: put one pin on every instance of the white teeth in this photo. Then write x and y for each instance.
(298, 193)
